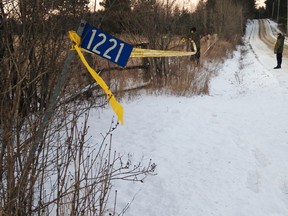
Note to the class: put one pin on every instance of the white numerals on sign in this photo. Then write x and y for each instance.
(105, 54)
(119, 52)
(101, 42)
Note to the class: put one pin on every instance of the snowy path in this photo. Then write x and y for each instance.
(225, 154)
(263, 49)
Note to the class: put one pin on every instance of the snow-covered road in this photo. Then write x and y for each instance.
(224, 154)
(263, 48)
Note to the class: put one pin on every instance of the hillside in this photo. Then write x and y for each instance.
(224, 154)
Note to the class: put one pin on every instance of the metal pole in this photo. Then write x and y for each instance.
(278, 11)
(287, 18)
(1, 40)
(273, 10)
(48, 113)
(95, 3)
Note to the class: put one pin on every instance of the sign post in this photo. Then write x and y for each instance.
(48, 113)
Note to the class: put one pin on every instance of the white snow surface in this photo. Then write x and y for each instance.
(223, 154)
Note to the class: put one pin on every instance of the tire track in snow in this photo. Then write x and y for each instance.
(266, 37)
(261, 43)
(252, 34)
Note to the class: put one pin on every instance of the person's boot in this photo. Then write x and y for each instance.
(277, 67)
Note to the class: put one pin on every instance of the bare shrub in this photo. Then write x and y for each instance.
(77, 174)
(186, 79)
(48, 166)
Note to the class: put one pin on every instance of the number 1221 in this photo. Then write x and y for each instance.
(113, 46)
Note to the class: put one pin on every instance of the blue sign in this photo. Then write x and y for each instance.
(105, 45)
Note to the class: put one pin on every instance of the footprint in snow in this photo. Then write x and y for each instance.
(261, 159)
(253, 181)
(284, 190)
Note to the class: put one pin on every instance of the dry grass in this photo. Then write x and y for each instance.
(182, 76)
(218, 51)
(187, 79)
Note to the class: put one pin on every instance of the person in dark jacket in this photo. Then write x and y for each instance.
(196, 38)
(278, 50)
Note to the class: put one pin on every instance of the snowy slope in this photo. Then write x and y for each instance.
(225, 154)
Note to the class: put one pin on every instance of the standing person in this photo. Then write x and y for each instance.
(196, 38)
(278, 50)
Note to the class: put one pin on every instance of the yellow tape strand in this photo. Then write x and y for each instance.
(136, 53)
(140, 53)
(149, 53)
(116, 106)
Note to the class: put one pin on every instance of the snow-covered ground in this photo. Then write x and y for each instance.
(224, 154)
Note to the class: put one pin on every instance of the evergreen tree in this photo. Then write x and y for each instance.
(249, 7)
(183, 22)
(115, 15)
(270, 9)
(228, 17)
(275, 6)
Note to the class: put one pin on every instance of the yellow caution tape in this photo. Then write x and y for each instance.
(140, 53)
(149, 53)
(136, 53)
(116, 106)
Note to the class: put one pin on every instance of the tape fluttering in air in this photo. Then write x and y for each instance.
(141, 53)
(116, 106)
(136, 53)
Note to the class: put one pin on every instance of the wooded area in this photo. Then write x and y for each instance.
(47, 165)
(276, 10)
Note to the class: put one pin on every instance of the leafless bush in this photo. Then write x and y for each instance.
(186, 79)
(77, 175)
(48, 165)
